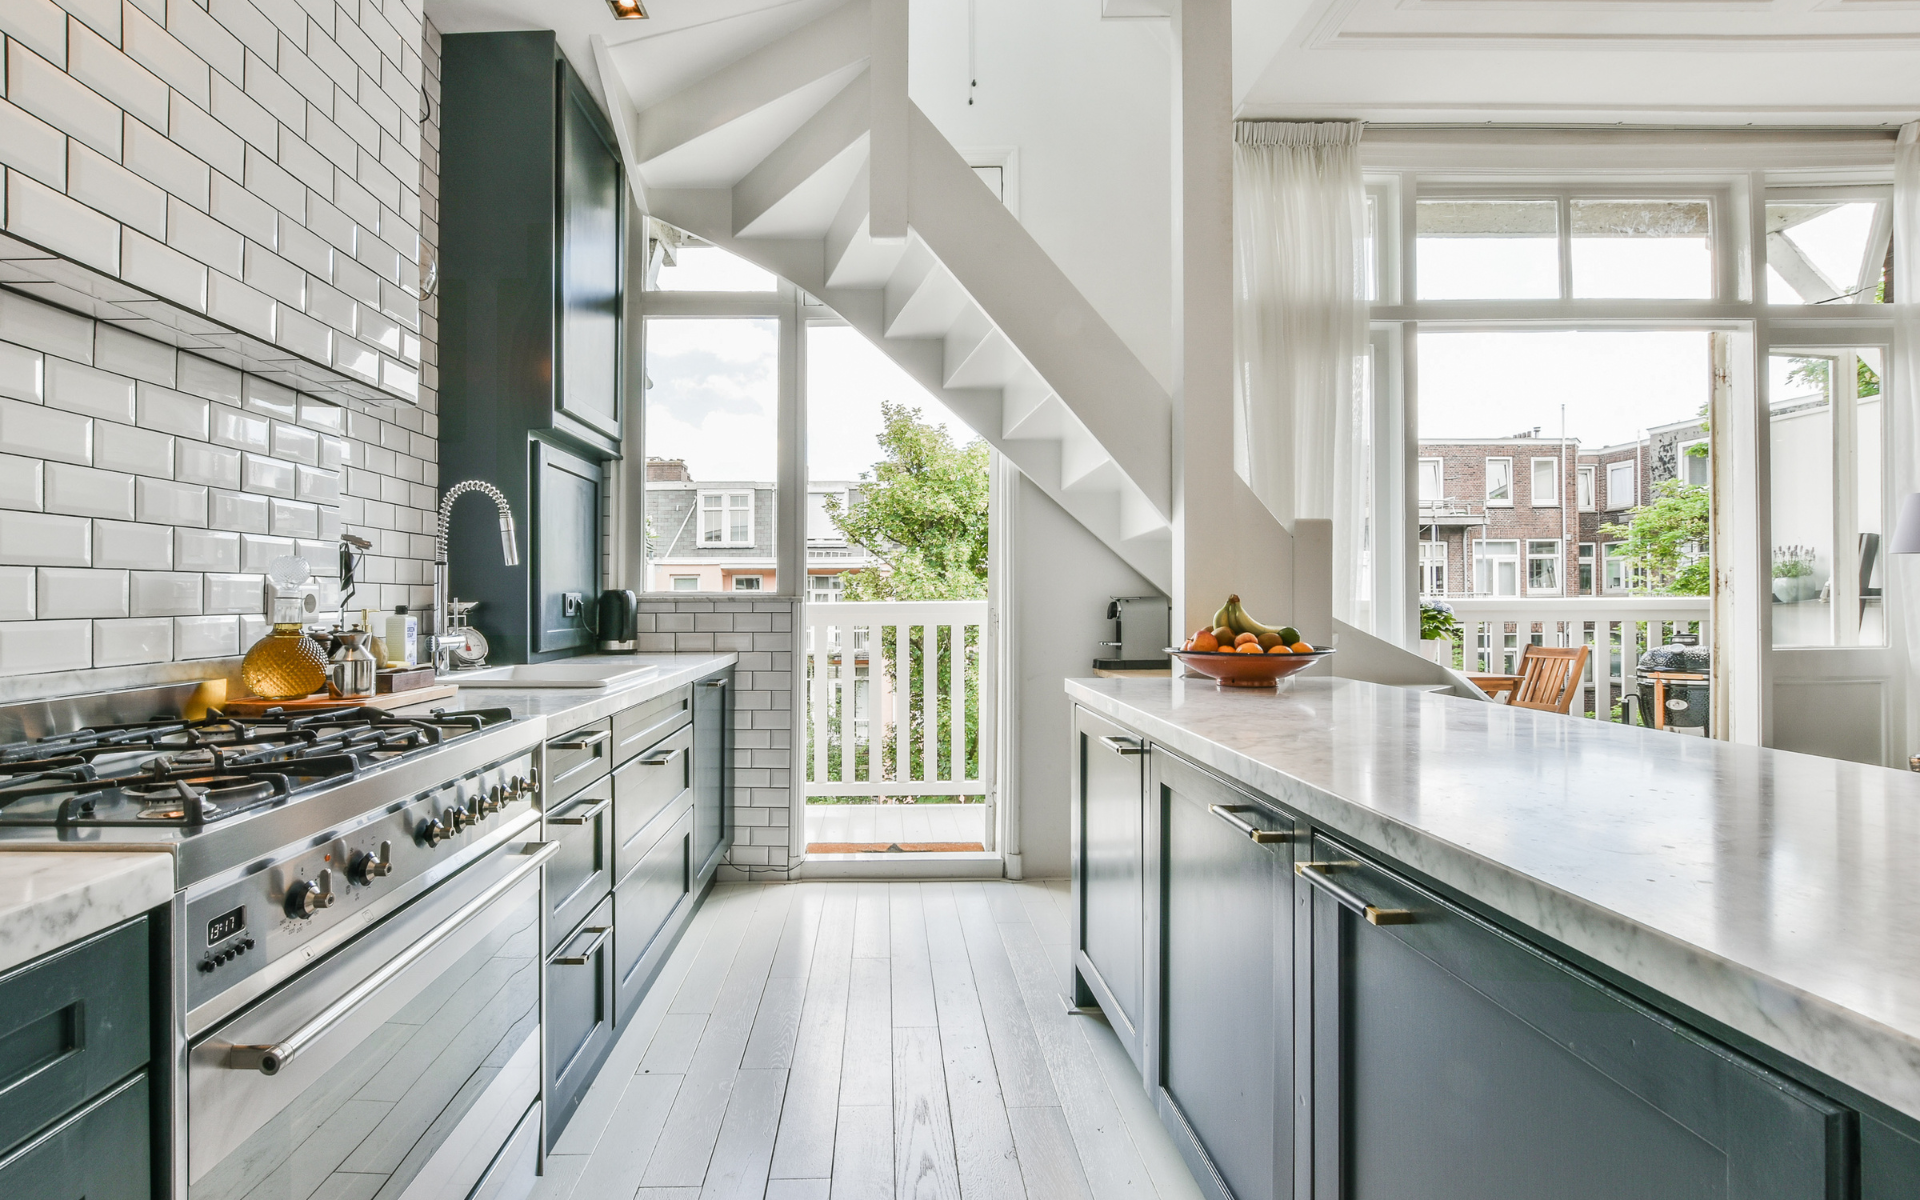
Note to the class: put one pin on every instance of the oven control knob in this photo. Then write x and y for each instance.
(207, 965)
(365, 867)
(497, 799)
(433, 832)
(457, 818)
(304, 898)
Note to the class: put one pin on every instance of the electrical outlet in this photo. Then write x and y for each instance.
(571, 604)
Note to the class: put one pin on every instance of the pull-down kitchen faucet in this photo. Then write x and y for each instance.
(443, 643)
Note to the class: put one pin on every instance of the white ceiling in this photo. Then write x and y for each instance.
(1771, 62)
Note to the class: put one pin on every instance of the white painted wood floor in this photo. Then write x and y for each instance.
(867, 1041)
(896, 823)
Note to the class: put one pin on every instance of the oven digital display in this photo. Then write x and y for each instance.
(226, 925)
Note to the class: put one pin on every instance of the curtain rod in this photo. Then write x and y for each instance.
(1411, 131)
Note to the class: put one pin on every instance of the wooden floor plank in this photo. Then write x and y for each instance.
(866, 1057)
(924, 1167)
(1049, 1163)
(1025, 1080)
(562, 1173)
(983, 1144)
(799, 1189)
(709, 970)
(870, 923)
(945, 939)
(863, 1153)
(804, 1149)
(795, 952)
(674, 1041)
(686, 1146)
(907, 950)
(620, 1161)
(778, 1021)
(743, 1154)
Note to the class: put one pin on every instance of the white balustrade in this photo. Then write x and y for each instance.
(866, 713)
(1617, 629)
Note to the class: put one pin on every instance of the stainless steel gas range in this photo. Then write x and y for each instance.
(356, 934)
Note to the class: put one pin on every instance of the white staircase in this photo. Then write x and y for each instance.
(770, 157)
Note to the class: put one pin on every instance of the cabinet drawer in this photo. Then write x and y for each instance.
(642, 790)
(579, 1018)
(1453, 1059)
(644, 724)
(576, 759)
(646, 898)
(103, 1152)
(71, 1026)
(581, 874)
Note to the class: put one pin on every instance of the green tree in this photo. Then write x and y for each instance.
(1815, 373)
(1668, 538)
(922, 514)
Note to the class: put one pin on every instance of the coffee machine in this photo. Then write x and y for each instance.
(619, 615)
(1142, 632)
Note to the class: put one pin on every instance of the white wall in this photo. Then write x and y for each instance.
(1062, 580)
(1087, 105)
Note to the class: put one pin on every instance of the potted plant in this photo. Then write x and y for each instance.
(1439, 629)
(1793, 579)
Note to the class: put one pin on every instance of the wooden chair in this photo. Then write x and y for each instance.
(1549, 679)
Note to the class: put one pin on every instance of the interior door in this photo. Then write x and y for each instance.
(1837, 687)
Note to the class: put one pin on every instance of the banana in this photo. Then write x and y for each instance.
(1234, 617)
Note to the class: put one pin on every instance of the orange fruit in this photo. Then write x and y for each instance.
(1281, 650)
(1204, 642)
(1248, 648)
(1244, 638)
(1302, 648)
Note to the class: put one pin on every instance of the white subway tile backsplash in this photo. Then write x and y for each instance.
(41, 24)
(233, 108)
(238, 511)
(123, 545)
(318, 486)
(97, 62)
(205, 637)
(21, 373)
(166, 411)
(269, 399)
(230, 593)
(158, 51)
(86, 492)
(45, 432)
(211, 142)
(98, 182)
(126, 353)
(80, 389)
(240, 430)
(295, 520)
(39, 214)
(44, 540)
(139, 451)
(21, 482)
(36, 647)
(206, 550)
(161, 270)
(197, 462)
(49, 93)
(268, 476)
(31, 145)
(204, 34)
(132, 642)
(257, 553)
(199, 236)
(162, 161)
(234, 303)
(304, 336)
(67, 592)
(297, 444)
(39, 326)
(16, 593)
(166, 594)
(209, 380)
(163, 502)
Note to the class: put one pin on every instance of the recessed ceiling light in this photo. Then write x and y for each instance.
(628, 10)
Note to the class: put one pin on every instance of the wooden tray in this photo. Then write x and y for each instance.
(253, 706)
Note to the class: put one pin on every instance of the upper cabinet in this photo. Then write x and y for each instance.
(592, 248)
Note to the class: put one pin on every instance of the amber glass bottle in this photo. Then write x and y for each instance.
(286, 664)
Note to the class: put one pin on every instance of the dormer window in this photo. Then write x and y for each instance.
(726, 518)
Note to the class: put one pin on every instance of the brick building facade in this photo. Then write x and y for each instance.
(1522, 515)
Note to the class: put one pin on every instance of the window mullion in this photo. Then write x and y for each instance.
(1566, 246)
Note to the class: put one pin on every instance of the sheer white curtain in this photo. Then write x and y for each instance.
(1906, 392)
(1300, 329)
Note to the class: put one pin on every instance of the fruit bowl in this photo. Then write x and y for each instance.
(1248, 670)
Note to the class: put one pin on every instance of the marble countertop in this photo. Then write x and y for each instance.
(568, 708)
(1777, 893)
(51, 898)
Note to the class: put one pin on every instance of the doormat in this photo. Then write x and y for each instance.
(894, 847)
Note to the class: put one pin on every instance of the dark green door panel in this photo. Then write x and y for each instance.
(71, 1025)
(1453, 1060)
(104, 1152)
(566, 547)
(712, 781)
(1226, 1022)
(1110, 847)
(592, 259)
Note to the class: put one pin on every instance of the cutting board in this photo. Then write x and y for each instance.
(253, 706)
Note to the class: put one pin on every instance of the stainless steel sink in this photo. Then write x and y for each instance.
(552, 675)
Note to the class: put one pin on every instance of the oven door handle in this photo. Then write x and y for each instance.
(270, 1059)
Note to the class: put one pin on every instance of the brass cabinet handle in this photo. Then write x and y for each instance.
(1320, 875)
(1124, 745)
(585, 743)
(1228, 813)
(579, 815)
(585, 956)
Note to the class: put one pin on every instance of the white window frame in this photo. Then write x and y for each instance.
(821, 592)
(1584, 480)
(1439, 466)
(1879, 239)
(1533, 481)
(1614, 567)
(726, 497)
(1587, 557)
(1633, 491)
(1682, 459)
(1481, 555)
(674, 582)
(739, 580)
(1556, 556)
(834, 536)
(1432, 562)
(1507, 461)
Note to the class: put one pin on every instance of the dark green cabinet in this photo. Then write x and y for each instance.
(712, 778)
(1226, 995)
(1452, 1059)
(1108, 828)
(532, 268)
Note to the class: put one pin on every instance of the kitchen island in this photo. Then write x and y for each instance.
(1425, 936)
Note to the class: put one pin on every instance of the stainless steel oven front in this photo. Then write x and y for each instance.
(405, 1064)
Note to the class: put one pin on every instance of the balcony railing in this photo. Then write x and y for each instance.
(1619, 629)
(871, 735)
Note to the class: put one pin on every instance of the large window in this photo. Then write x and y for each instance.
(1565, 246)
(1583, 485)
(1496, 568)
(1500, 482)
(1433, 568)
(1621, 490)
(1543, 567)
(1586, 568)
(1546, 483)
(1433, 488)
(726, 519)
